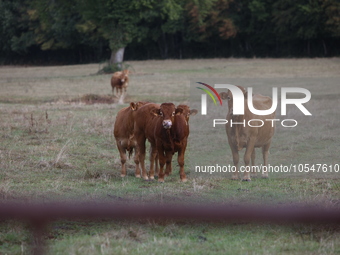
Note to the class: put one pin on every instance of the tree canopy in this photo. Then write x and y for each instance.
(80, 31)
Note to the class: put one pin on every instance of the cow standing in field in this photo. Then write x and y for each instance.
(120, 81)
(143, 129)
(166, 128)
(123, 133)
(244, 136)
(186, 114)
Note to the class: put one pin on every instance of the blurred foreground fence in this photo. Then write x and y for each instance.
(40, 215)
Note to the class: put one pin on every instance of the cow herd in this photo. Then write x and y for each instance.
(166, 127)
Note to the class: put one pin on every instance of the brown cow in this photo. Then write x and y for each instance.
(123, 133)
(240, 136)
(120, 81)
(186, 113)
(167, 130)
(143, 129)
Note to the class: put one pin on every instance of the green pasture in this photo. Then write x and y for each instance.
(56, 145)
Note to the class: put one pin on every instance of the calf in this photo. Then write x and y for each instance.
(143, 129)
(167, 130)
(186, 114)
(123, 133)
(244, 136)
(120, 81)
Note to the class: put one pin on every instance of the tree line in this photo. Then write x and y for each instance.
(83, 31)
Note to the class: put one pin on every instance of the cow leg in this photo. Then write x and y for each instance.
(153, 155)
(249, 150)
(234, 151)
(162, 159)
(168, 158)
(265, 152)
(122, 153)
(180, 160)
(253, 171)
(136, 159)
(169, 169)
(156, 165)
(121, 92)
(121, 96)
(141, 155)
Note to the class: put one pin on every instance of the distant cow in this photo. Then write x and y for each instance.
(240, 136)
(123, 133)
(166, 128)
(120, 81)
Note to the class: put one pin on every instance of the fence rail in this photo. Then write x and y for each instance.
(39, 215)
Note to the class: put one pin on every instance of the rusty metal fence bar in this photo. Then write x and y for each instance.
(40, 215)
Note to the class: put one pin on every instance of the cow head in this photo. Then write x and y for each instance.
(167, 112)
(124, 75)
(229, 96)
(186, 111)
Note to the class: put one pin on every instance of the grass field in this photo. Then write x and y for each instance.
(56, 145)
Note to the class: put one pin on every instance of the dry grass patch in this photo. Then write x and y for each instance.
(95, 99)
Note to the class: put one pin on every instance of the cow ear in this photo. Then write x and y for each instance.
(193, 112)
(133, 106)
(224, 95)
(155, 111)
(178, 111)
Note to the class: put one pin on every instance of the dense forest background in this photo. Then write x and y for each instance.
(83, 31)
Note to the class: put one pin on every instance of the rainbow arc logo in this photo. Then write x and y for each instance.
(204, 97)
